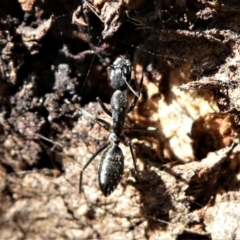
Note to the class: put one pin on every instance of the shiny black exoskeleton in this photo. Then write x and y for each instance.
(112, 163)
(110, 169)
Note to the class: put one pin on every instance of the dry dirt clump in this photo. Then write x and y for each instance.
(55, 60)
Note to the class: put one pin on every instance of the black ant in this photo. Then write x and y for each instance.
(112, 162)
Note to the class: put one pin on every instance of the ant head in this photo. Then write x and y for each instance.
(120, 74)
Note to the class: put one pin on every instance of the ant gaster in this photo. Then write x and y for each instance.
(112, 162)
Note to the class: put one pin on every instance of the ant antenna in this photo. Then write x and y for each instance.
(81, 10)
(132, 90)
(96, 53)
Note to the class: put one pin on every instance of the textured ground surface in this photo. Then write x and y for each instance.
(55, 59)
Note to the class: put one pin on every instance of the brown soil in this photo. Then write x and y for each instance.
(55, 58)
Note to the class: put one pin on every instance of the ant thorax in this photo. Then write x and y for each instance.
(119, 103)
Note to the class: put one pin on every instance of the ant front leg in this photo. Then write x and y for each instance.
(100, 121)
(88, 162)
(138, 88)
(105, 109)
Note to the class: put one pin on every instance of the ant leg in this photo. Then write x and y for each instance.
(138, 88)
(105, 109)
(100, 121)
(88, 162)
(55, 144)
(139, 129)
(94, 118)
(128, 143)
(105, 124)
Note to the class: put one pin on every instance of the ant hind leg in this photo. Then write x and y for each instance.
(129, 144)
(88, 162)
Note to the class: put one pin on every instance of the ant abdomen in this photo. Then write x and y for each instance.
(110, 169)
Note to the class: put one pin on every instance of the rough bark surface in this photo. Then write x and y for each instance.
(55, 60)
